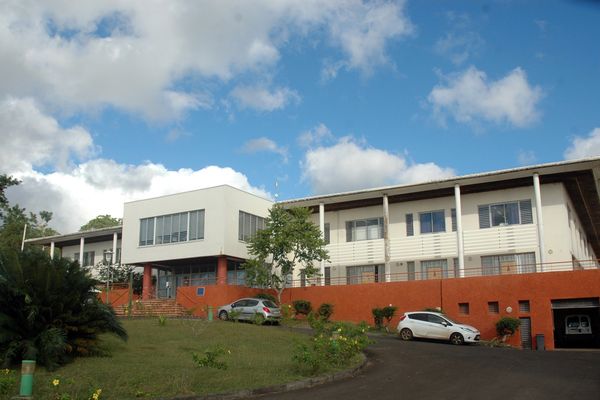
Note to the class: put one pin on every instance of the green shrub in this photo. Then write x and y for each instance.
(210, 358)
(378, 317)
(162, 320)
(267, 296)
(388, 313)
(302, 306)
(325, 311)
(8, 381)
(507, 326)
(49, 310)
(333, 345)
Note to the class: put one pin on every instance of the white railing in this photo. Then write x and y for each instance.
(363, 251)
(501, 239)
(423, 246)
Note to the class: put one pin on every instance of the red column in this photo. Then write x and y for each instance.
(147, 282)
(222, 270)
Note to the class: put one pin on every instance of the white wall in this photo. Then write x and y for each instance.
(221, 207)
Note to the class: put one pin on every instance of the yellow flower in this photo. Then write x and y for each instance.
(96, 394)
(6, 371)
(55, 382)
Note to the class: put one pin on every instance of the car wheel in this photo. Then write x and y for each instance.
(223, 316)
(406, 334)
(457, 338)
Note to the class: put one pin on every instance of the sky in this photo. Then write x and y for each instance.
(113, 101)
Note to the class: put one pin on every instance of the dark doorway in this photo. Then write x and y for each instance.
(576, 323)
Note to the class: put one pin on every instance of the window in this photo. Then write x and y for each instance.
(432, 222)
(326, 233)
(410, 230)
(248, 225)
(410, 267)
(463, 308)
(453, 216)
(327, 276)
(493, 307)
(522, 263)
(364, 229)
(364, 274)
(434, 269)
(512, 213)
(88, 258)
(236, 275)
(524, 306)
(456, 267)
(172, 228)
(146, 231)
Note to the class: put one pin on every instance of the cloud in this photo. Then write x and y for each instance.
(31, 138)
(470, 97)
(582, 147)
(315, 136)
(461, 42)
(349, 165)
(526, 157)
(261, 99)
(137, 56)
(102, 186)
(264, 144)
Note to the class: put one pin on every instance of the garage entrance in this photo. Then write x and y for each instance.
(576, 323)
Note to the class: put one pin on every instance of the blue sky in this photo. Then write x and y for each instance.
(102, 103)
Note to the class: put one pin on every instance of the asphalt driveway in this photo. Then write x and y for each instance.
(429, 370)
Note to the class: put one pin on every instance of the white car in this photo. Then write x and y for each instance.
(432, 325)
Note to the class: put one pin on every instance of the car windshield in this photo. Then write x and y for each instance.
(269, 303)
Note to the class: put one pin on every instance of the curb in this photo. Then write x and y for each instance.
(286, 387)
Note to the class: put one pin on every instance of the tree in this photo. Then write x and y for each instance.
(5, 182)
(49, 310)
(120, 273)
(289, 240)
(13, 221)
(101, 221)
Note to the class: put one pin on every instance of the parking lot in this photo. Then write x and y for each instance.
(431, 370)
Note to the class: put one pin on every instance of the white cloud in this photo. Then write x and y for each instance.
(526, 157)
(135, 55)
(348, 165)
(102, 186)
(30, 138)
(264, 144)
(470, 97)
(261, 99)
(459, 46)
(582, 147)
(315, 136)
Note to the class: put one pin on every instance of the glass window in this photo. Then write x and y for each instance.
(436, 319)
(172, 228)
(364, 229)
(248, 225)
(510, 213)
(463, 308)
(521, 263)
(364, 274)
(327, 233)
(493, 307)
(432, 222)
(327, 276)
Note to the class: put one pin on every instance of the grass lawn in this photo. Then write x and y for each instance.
(157, 361)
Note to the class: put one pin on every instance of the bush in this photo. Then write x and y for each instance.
(8, 381)
(507, 326)
(302, 306)
(388, 314)
(210, 358)
(333, 345)
(325, 311)
(49, 310)
(378, 317)
(267, 296)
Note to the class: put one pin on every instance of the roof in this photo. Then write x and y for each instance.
(71, 239)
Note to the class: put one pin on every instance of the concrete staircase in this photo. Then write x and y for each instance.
(152, 308)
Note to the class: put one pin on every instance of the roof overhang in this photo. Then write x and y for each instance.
(72, 239)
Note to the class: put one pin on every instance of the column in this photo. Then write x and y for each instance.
(52, 250)
(540, 222)
(114, 249)
(81, 243)
(147, 282)
(386, 237)
(459, 232)
(322, 227)
(222, 270)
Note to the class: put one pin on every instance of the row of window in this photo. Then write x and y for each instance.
(189, 225)
(490, 215)
(494, 307)
(89, 257)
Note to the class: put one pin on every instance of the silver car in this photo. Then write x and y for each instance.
(250, 309)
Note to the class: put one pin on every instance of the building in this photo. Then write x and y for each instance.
(521, 242)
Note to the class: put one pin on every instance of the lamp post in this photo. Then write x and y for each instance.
(108, 254)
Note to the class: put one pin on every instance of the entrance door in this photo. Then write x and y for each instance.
(525, 330)
(434, 273)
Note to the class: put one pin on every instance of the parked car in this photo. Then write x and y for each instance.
(250, 309)
(578, 324)
(432, 325)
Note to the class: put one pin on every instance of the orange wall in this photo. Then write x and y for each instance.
(355, 302)
(214, 295)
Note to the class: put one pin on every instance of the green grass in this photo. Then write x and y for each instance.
(157, 361)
